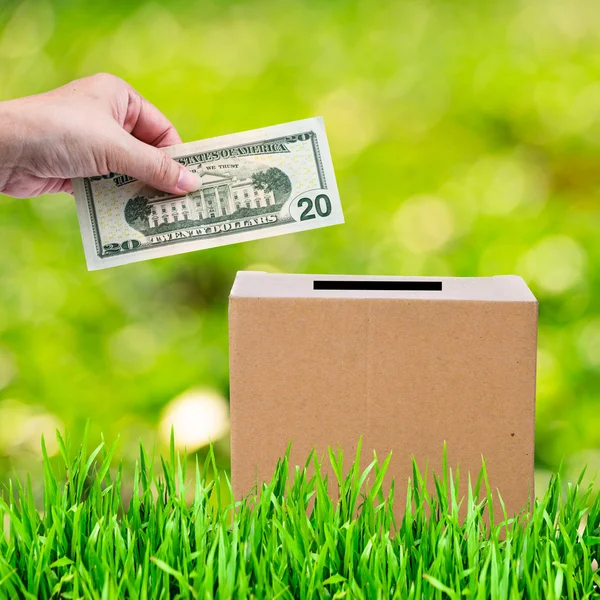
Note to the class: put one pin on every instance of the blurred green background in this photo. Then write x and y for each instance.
(466, 141)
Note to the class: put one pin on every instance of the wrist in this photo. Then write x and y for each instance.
(11, 141)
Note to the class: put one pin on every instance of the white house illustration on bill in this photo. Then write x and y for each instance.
(220, 195)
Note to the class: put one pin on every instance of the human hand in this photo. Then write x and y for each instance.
(89, 127)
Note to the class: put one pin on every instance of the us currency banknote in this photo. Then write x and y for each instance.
(255, 184)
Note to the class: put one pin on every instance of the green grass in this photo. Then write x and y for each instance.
(182, 539)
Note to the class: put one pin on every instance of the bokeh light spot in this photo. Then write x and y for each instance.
(266, 267)
(549, 376)
(30, 27)
(555, 264)
(501, 183)
(22, 426)
(351, 124)
(134, 347)
(8, 369)
(198, 417)
(147, 41)
(235, 47)
(424, 223)
(588, 343)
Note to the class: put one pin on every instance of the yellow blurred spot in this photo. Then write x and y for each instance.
(554, 25)
(285, 246)
(584, 111)
(350, 118)
(501, 183)
(555, 264)
(22, 427)
(198, 417)
(549, 376)
(30, 27)
(588, 343)
(134, 347)
(267, 268)
(8, 369)
(234, 47)
(42, 294)
(588, 459)
(424, 223)
(147, 41)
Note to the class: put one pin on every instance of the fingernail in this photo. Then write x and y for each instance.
(188, 181)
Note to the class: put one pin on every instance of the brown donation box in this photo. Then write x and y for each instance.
(405, 362)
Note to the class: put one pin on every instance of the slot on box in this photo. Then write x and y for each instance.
(391, 286)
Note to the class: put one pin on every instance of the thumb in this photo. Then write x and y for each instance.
(152, 166)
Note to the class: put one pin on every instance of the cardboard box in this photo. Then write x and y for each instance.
(407, 363)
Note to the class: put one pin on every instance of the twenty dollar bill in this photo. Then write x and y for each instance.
(255, 184)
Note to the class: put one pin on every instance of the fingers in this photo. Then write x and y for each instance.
(66, 187)
(151, 165)
(148, 124)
